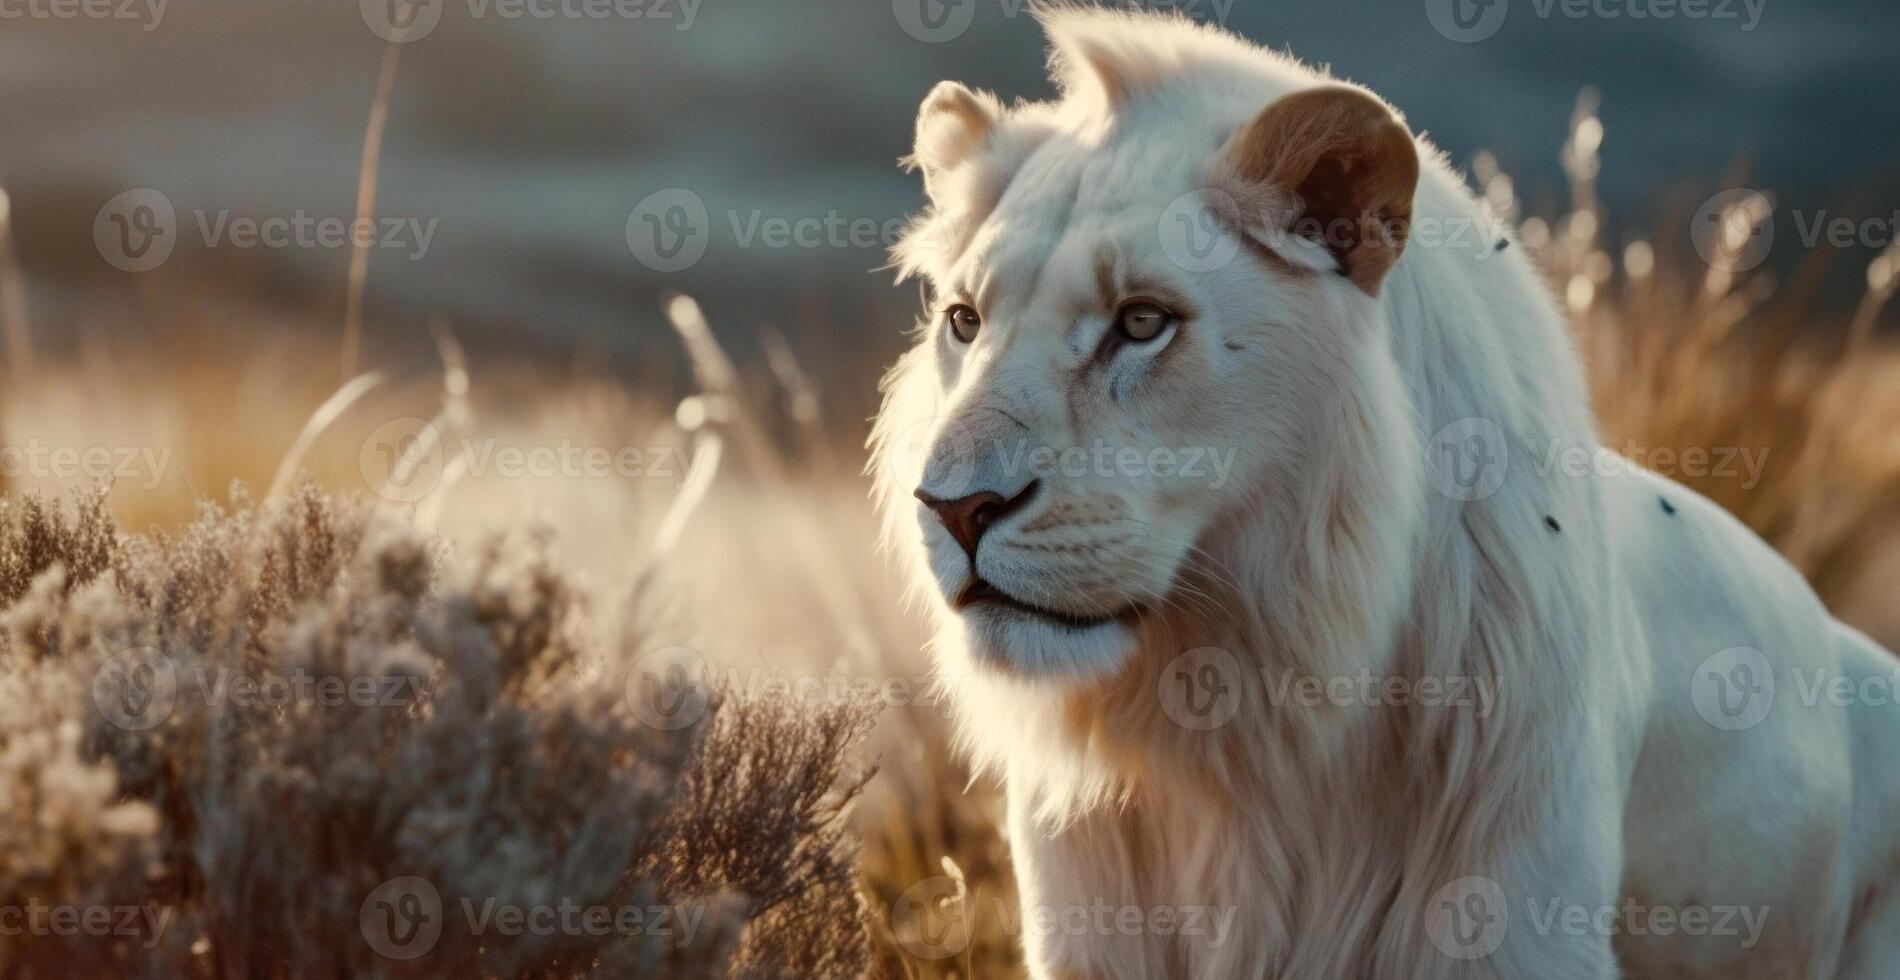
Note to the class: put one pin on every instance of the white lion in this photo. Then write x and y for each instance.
(1225, 483)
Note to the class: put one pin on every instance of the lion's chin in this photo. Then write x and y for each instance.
(1031, 646)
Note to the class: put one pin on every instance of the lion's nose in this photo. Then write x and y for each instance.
(966, 518)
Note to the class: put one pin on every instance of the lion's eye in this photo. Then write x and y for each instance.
(964, 323)
(1141, 322)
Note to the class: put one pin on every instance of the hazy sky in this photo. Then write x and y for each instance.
(524, 133)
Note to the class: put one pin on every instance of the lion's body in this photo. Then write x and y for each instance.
(1347, 839)
(1794, 816)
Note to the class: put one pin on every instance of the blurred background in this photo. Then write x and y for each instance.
(528, 132)
(549, 181)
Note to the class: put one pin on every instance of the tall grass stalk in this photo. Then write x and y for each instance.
(366, 179)
(454, 416)
(13, 316)
(313, 429)
(721, 402)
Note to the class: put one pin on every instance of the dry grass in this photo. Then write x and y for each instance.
(483, 745)
(1685, 357)
(768, 552)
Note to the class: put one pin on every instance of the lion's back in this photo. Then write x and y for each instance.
(1744, 791)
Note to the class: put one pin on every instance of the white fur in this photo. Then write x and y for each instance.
(1331, 832)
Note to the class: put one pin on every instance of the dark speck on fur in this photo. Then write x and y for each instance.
(1551, 522)
(1668, 508)
(1503, 243)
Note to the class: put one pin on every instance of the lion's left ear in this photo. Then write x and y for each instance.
(953, 126)
(1351, 167)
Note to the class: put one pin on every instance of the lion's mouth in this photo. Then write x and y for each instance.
(979, 593)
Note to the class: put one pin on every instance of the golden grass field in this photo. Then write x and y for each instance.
(764, 551)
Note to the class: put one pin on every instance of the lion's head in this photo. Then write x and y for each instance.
(1153, 323)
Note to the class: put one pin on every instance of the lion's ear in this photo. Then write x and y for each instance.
(953, 124)
(1351, 167)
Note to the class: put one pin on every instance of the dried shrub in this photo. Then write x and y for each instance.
(259, 739)
(762, 819)
(35, 536)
